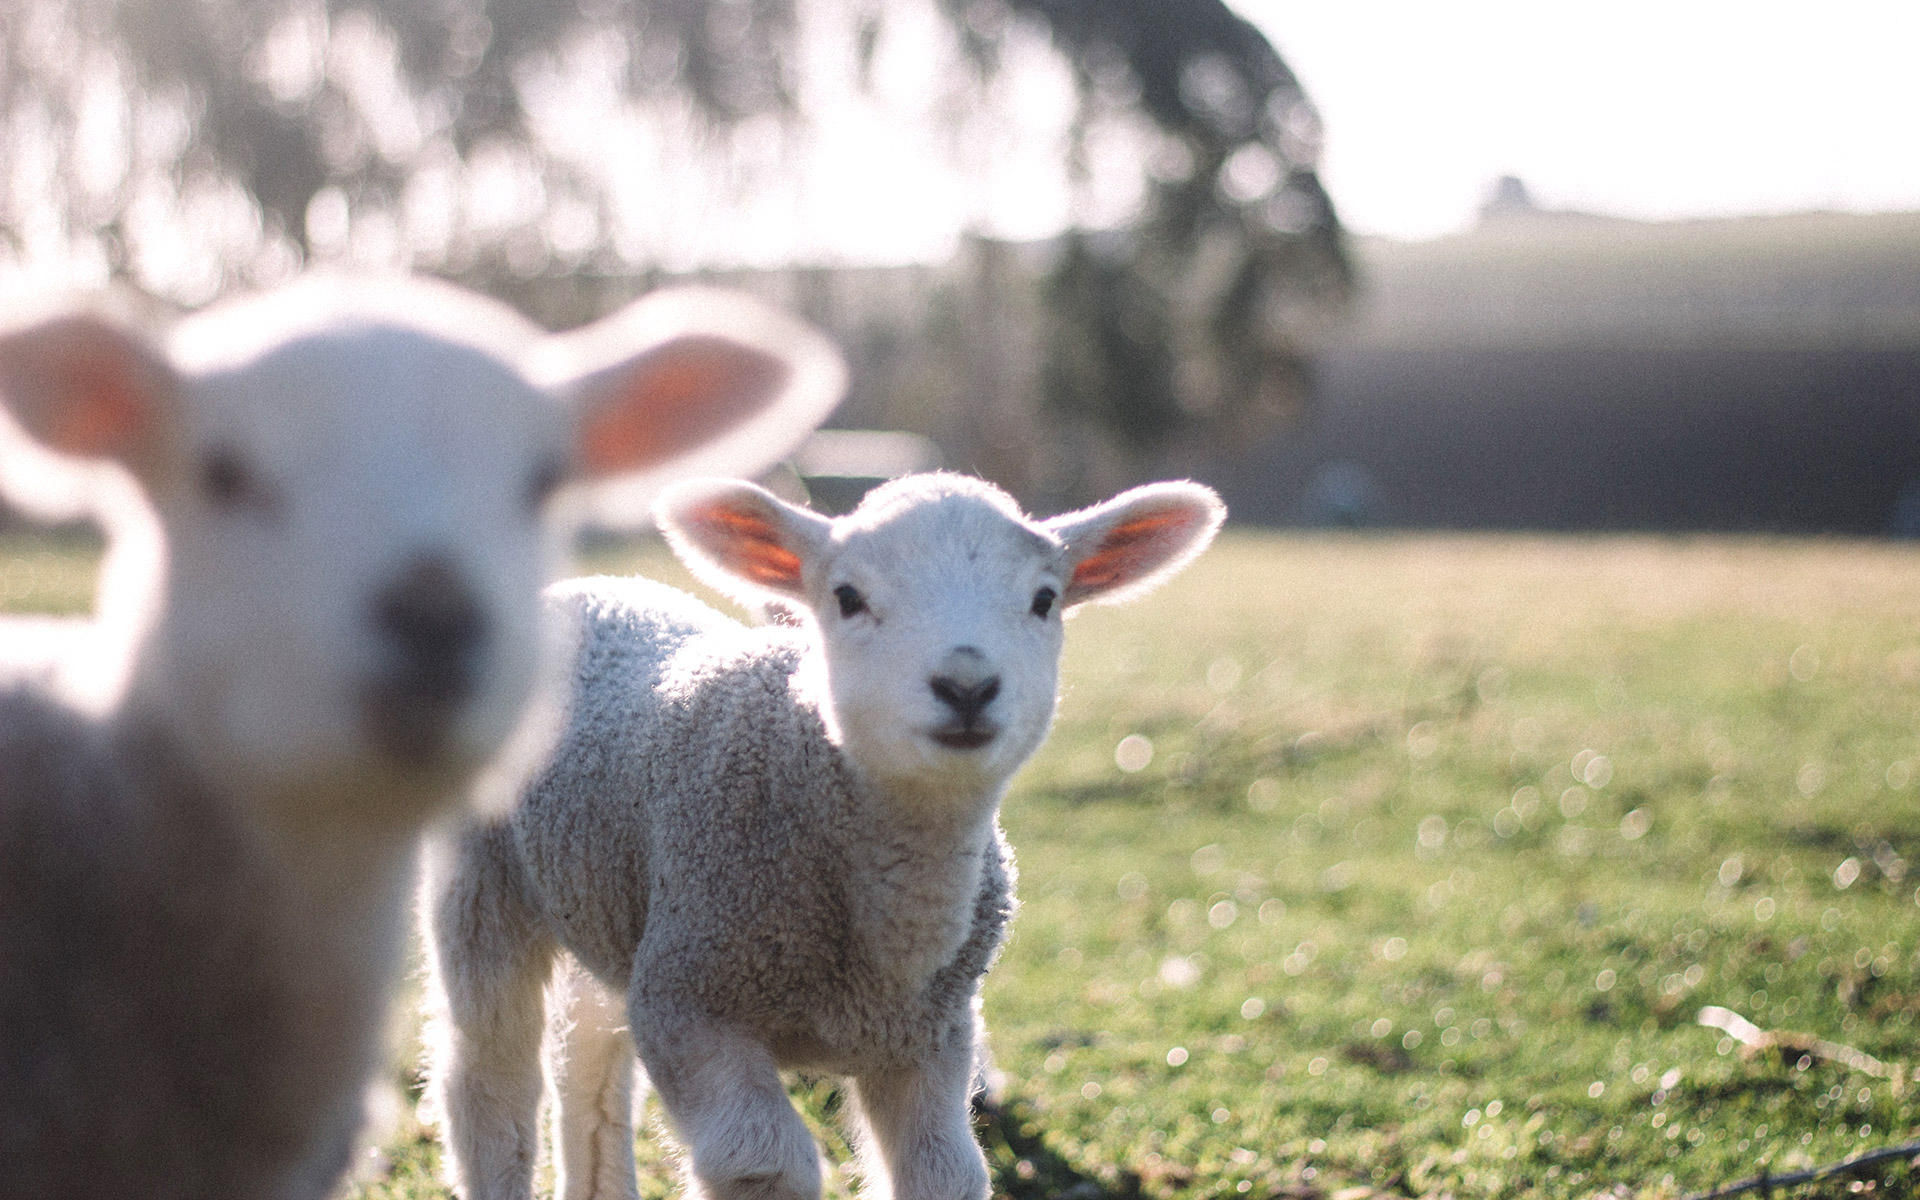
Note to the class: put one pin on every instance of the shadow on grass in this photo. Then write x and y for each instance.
(1024, 1169)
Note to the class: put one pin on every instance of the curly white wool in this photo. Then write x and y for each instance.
(779, 845)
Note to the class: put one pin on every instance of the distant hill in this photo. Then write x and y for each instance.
(1557, 371)
(1539, 280)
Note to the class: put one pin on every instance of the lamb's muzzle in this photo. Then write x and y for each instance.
(966, 686)
(434, 634)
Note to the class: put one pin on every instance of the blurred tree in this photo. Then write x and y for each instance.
(1192, 326)
(193, 145)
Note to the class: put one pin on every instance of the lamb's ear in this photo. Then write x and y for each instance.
(686, 382)
(1137, 540)
(82, 385)
(741, 539)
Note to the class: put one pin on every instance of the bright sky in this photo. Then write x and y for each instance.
(1646, 108)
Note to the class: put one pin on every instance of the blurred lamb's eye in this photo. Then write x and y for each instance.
(229, 485)
(851, 602)
(544, 482)
(1043, 601)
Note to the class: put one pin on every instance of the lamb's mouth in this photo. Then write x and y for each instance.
(411, 716)
(966, 737)
(408, 730)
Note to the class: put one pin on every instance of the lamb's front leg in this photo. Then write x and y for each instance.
(917, 1142)
(591, 1065)
(723, 1092)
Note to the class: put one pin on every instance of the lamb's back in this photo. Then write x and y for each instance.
(672, 710)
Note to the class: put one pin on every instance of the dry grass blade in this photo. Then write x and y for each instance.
(1792, 1046)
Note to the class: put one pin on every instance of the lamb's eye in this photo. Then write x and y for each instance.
(851, 601)
(228, 483)
(1043, 601)
(544, 481)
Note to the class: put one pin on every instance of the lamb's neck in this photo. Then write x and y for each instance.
(330, 901)
(350, 884)
(915, 876)
(339, 856)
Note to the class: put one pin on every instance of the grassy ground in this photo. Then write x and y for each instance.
(1433, 849)
(47, 572)
(1442, 846)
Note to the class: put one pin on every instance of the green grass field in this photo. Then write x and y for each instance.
(1443, 844)
(47, 572)
(1430, 852)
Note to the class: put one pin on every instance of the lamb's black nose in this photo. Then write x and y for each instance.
(432, 626)
(433, 633)
(966, 698)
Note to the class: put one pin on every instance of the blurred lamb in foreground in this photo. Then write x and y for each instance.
(780, 845)
(344, 498)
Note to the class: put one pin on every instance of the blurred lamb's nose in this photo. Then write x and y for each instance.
(964, 684)
(432, 624)
(432, 632)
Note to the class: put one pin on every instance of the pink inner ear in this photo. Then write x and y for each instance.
(1131, 549)
(112, 417)
(680, 396)
(746, 543)
(91, 393)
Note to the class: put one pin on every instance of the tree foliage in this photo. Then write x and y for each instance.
(241, 120)
(1193, 323)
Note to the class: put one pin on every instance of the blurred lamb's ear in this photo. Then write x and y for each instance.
(741, 539)
(80, 384)
(1137, 540)
(686, 382)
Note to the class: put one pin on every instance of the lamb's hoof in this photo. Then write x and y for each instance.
(760, 1187)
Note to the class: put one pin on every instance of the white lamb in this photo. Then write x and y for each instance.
(204, 884)
(780, 845)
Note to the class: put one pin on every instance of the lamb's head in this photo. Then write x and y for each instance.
(359, 488)
(938, 604)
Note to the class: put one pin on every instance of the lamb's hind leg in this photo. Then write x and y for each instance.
(490, 959)
(590, 1060)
